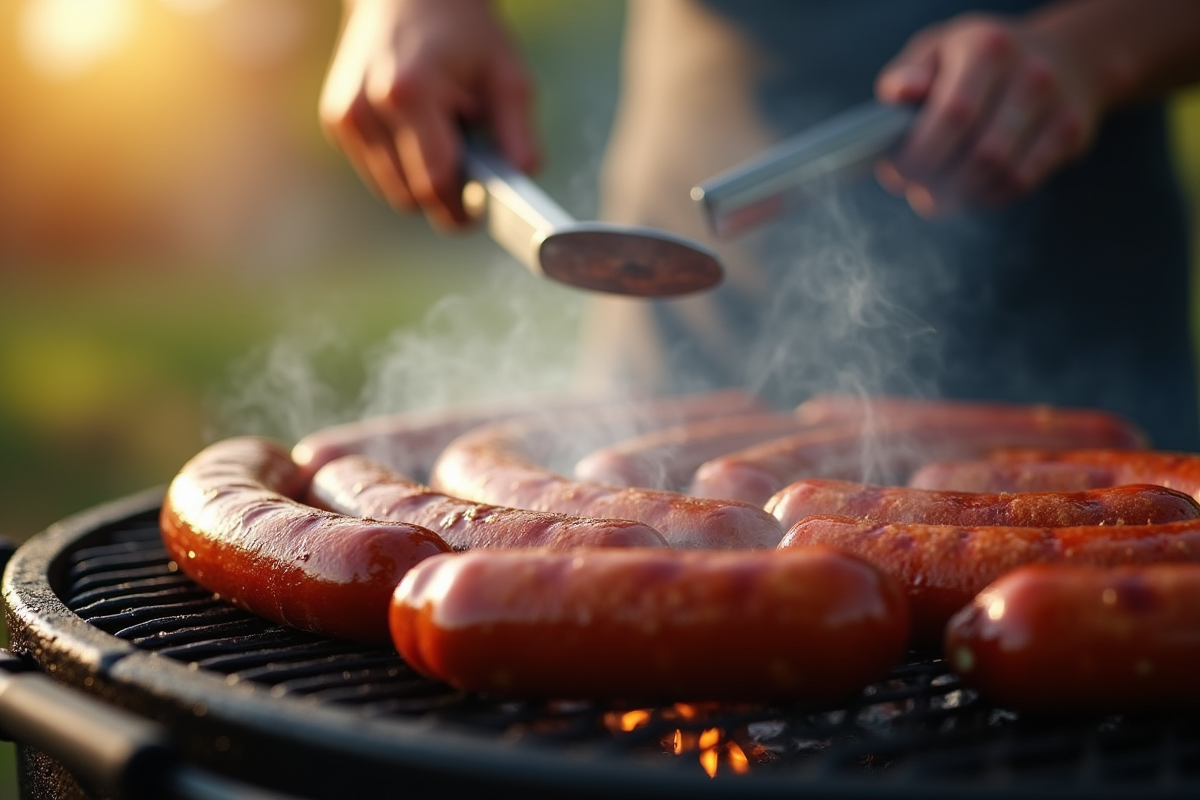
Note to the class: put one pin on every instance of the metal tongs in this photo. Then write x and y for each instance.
(762, 189)
(600, 256)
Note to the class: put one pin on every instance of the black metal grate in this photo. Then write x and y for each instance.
(916, 733)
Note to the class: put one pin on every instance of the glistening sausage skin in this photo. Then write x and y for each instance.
(808, 625)
(1053, 639)
(502, 463)
(892, 445)
(1138, 504)
(230, 522)
(942, 567)
(358, 486)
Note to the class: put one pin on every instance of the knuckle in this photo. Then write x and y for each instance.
(990, 158)
(396, 92)
(960, 111)
(1038, 76)
(341, 119)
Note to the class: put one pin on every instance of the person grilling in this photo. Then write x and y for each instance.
(1027, 242)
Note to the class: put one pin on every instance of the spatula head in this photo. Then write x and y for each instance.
(627, 260)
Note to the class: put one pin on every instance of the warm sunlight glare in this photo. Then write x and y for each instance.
(63, 39)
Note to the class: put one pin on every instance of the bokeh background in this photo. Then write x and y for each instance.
(183, 256)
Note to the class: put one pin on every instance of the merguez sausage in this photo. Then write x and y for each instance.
(231, 523)
(361, 487)
(808, 625)
(1053, 638)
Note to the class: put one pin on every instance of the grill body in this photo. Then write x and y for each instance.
(94, 603)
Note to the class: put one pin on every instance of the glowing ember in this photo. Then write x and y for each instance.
(714, 748)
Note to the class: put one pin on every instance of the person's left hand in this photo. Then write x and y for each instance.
(1002, 108)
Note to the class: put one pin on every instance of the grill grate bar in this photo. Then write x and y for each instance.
(918, 727)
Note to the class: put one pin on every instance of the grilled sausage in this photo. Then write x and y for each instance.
(942, 567)
(1051, 639)
(410, 441)
(667, 458)
(502, 463)
(1180, 471)
(361, 487)
(887, 448)
(808, 625)
(231, 523)
(888, 410)
(994, 476)
(1138, 504)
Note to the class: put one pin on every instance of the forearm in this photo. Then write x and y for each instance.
(1125, 50)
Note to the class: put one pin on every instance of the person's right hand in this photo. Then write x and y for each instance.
(406, 76)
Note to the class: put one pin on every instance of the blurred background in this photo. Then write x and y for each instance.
(183, 256)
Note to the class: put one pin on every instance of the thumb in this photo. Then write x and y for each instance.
(908, 77)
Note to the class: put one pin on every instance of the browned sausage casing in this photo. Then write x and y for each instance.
(361, 487)
(807, 625)
(502, 463)
(1052, 639)
(1180, 471)
(230, 523)
(410, 441)
(942, 567)
(667, 458)
(885, 448)
(994, 476)
(1137, 504)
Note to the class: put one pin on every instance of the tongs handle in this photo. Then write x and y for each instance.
(519, 215)
(758, 190)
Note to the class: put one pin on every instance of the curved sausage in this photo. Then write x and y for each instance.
(502, 463)
(993, 476)
(885, 449)
(887, 410)
(1179, 471)
(1137, 504)
(809, 625)
(230, 522)
(1052, 639)
(667, 458)
(361, 487)
(942, 567)
(410, 441)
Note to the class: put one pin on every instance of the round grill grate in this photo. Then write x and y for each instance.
(96, 602)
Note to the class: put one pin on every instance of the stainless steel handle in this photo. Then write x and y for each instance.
(519, 215)
(758, 190)
(598, 256)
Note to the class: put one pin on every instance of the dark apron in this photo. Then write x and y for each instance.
(1077, 295)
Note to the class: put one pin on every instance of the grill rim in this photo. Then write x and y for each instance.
(75, 652)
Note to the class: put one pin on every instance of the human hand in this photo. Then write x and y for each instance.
(1003, 105)
(405, 77)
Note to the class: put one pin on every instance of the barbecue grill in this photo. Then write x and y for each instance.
(160, 690)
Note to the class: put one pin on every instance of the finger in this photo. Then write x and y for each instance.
(909, 76)
(425, 139)
(970, 74)
(369, 148)
(430, 150)
(1060, 139)
(1014, 124)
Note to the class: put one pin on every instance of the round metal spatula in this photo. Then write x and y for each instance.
(602, 257)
